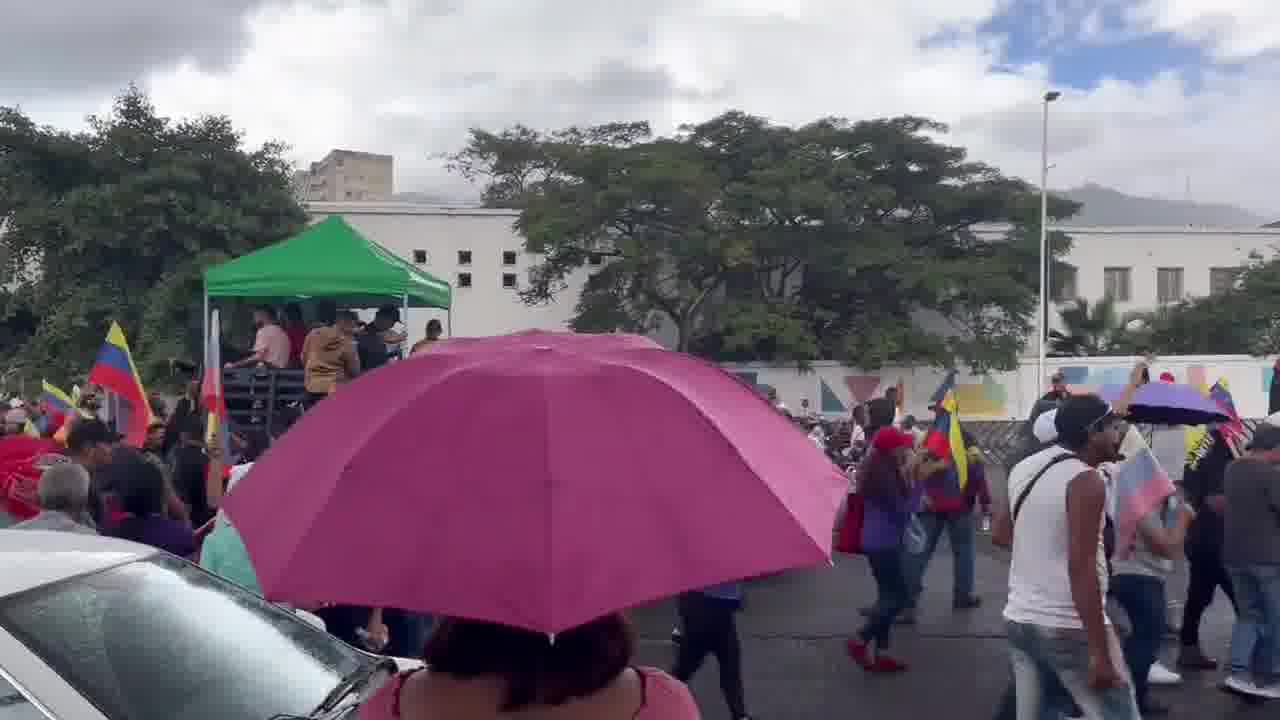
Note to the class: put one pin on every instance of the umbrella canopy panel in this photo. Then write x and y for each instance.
(328, 260)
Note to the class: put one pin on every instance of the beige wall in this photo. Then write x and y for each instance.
(350, 176)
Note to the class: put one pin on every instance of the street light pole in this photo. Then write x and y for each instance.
(1043, 324)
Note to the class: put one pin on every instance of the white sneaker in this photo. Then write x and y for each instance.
(1243, 686)
(1161, 675)
(1270, 692)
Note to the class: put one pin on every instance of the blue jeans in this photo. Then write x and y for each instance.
(1039, 655)
(960, 534)
(1255, 642)
(1143, 599)
(892, 596)
(1057, 703)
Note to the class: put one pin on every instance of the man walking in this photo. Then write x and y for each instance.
(1058, 630)
(1251, 552)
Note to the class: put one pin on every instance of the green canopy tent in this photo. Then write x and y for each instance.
(327, 260)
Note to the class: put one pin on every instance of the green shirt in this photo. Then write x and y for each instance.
(224, 553)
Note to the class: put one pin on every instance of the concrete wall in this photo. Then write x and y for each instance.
(833, 388)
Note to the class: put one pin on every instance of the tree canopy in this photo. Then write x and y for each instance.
(118, 222)
(747, 240)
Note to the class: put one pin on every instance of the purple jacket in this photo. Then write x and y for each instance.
(885, 518)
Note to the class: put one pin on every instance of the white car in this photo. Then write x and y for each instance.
(93, 627)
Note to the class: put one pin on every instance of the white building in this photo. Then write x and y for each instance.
(479, 252)
(1143, 268)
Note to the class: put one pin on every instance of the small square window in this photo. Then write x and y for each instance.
(508, 280)
(420, 257)
(508, 257)
(595, 259)
(464, 257)
(464, 280)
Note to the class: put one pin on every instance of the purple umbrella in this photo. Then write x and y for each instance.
(1167, 404)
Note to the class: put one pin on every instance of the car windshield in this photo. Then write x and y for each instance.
(160, 638)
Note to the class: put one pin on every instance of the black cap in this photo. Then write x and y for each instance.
(87, 433)
(1079, 415)
(1265, 437)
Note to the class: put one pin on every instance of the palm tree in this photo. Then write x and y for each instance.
(1086, 330)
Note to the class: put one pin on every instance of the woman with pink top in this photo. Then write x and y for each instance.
(484, 671)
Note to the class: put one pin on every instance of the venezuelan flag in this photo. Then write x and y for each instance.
(55, 399)
(114, 371)
(945, 439)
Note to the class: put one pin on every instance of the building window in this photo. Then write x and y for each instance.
(1168, 285)
(464, 280)
(1063, 282)
(1115, 283)
(1223, 279)
(464, 257)
(508, 280)
(508, 257)
(348, 194)
(420, 257)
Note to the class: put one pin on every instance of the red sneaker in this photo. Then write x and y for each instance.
(858, 652)
(887, 665)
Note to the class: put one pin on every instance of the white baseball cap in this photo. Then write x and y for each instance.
(1046, 428)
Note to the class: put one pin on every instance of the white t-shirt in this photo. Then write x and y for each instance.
(1039, 583)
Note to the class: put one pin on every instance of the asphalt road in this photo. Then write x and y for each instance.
(794, 631)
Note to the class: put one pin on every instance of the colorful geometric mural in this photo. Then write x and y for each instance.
(1082, 378)
(862, 387)
(982, 399)
(830, 404)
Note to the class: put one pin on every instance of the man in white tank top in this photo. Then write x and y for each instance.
(1057, 625)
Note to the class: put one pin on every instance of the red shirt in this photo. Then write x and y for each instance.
(297, 335)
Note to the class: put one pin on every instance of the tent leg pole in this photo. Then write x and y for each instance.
(448, 320)
(405, 303)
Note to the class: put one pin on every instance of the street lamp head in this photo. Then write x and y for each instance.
(1051, 96)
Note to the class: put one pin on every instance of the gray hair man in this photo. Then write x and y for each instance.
(64, 501)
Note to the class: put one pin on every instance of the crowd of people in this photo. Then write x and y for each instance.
(1071, 549)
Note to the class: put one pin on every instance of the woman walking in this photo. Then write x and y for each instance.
(890, 496)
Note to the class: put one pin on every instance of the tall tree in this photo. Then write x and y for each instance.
(841, 240)
(118, 223)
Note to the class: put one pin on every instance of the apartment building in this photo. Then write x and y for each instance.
(347, 176)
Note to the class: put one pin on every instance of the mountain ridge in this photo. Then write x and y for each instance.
(1104, 206)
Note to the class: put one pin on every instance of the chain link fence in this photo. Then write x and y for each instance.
(1001, 440)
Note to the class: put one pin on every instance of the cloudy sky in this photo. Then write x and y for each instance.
(1156, 92)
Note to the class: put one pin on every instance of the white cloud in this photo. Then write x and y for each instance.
(1229, 29)
(409, 77)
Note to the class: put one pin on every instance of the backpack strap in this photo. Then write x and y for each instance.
(1022, 496)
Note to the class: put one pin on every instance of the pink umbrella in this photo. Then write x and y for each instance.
(538, 480)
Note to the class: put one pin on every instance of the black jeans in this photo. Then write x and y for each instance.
(1143, 599)
(708, 627)
(893, 595)
(1206, 575)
